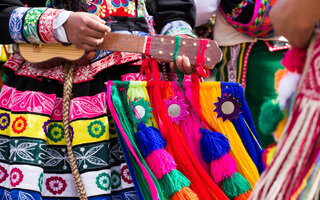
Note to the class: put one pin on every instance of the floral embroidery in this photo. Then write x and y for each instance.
(98, 7)
(55, 132)
(125, 174)
(115, 180)
(22, 151)
(103, 181)
(89, 156)
(120, 3)
(4, 121)
(19, 125)
(16, 177)
(45, 127)
(71, 132)
(96, 129)
(177, 109)
(141, 111)
(112, 127)
(3, 174)
(40, 182)
(56, 185)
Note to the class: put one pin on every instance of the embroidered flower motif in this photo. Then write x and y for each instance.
(131, 8)
(177, 109)
(4, 121)
(103, 181)
(125, 174)
(56, 185)
(120, 3)
(3, 174)
(96, 129)
(40, 182)
(32, 16)
(19, 125)
(227, 107)
(115, 180)
(141, 111)
(97, 7)
(112, 127)
(71, 132)
(55, 132)
(16, 177)
(45, 127)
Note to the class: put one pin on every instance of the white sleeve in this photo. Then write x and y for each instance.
(58, 29)
(205, 10)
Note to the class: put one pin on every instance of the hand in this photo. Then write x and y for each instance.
(183, 65)
(295, 19)
(85, 30)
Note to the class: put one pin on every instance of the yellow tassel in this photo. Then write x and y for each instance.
(244, 196)
(184, 194)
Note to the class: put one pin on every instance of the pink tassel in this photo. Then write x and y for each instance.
(160, 163)
(223, 168)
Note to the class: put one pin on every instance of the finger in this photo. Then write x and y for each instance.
(172, 69)
(95, 25)
(94, 34)
(95, 17)
(179, 64)
(91, 41)
(186, 65)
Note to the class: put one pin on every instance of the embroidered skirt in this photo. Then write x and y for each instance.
(33, 156)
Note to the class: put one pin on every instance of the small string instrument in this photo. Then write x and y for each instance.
(159, 47)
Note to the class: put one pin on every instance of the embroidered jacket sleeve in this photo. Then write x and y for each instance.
(21, 24)
(173, 17)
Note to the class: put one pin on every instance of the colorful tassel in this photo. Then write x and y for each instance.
(223, 168)
(160, 163)
(173, 183)
(149, 139)
(214, 149)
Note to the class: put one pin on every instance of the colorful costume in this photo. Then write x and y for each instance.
(250, 61)
(296, 162)
(33, 159)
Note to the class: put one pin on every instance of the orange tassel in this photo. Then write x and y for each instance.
(184, 194)
(244, 196)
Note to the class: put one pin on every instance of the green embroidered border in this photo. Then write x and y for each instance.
(30, 25)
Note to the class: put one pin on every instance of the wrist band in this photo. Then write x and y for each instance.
(15, 24)
(46, 25)
(30, 25)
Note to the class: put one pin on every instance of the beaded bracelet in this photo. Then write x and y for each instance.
(30, 25)
(15, 24)
(46, 25)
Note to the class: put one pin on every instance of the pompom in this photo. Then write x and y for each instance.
(148, 139)
(278, 76)
(160, 163)
(223, 168)
(270, 116)
(173, 182)
(235, 186)
(294, 59)
(287, 87)
(213, 145)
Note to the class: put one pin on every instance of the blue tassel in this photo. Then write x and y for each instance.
(149, 139)
(213, 145)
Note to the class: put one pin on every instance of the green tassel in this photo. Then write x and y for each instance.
(235, 186)
(173, 182)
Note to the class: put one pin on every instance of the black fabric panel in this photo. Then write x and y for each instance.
(245, 16)
(89, 88)
(165, 11)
